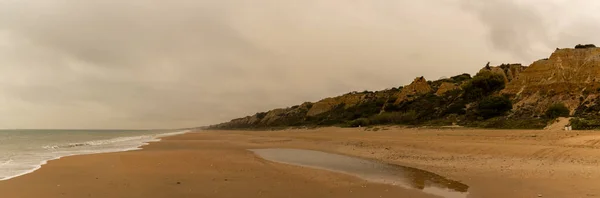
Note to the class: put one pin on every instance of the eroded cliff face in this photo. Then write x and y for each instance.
(570, 76)
(247, 121)
(284, 116)
(446, 87)
(349, 106)
(418, 87)
(326, 105)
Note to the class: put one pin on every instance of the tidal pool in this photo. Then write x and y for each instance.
(369, 170)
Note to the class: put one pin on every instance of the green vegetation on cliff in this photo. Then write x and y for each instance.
(557, 110)
(457, 100)
(506, 96)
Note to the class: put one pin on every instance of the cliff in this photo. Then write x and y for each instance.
(350, 106)
(569, 76)
(446, 87)
(418, 87)
(325, 105)
(504, 96)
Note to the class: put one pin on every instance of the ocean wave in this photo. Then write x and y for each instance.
(55, 152)
(133, 139)
(100, 142)
(6, 162)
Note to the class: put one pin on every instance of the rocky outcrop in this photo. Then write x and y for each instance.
(418, 87)
(279, 115)
(273, 116)
(349, 100)
(247, 121)
(326, 105)
(570, 76)
(446, 87)
(510, 72)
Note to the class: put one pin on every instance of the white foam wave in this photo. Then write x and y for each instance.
(101, 142)
(141, 139)
(90, 147)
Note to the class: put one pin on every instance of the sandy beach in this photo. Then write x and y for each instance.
(493, 163)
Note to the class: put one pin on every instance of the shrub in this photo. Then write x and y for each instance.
(385, 118)
(392, 99)
(359, 122)
(586, 92)
(409, 117)
(584, 124)
(483, 84)
(309, 105)
(506, 123)
(261, 115)
(391, 107)
(458, 108)
(557, 110)
(493, 106)
(364, 109)
(461, 78)
(438, 122)
(580, 46)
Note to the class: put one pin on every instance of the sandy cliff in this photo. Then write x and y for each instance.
(569, 76)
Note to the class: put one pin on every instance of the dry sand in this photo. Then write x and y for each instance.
(494, 163)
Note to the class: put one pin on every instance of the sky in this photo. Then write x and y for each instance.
(181, 63)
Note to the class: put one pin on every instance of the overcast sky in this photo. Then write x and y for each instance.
(185, 63)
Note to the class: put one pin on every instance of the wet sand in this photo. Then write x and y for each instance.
(369, 170)
(492, 163)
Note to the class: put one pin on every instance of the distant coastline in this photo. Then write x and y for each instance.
(48, 145)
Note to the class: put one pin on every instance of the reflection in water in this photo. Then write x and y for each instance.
(406, 177)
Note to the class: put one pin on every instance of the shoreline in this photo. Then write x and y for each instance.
(156, 138)
(151, 172)
(493, 163)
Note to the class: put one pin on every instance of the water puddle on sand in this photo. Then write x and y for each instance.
(406, 177)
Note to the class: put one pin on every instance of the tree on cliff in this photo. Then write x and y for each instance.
(557, 110)
(483, 84)
(580, 46)
(493, 106)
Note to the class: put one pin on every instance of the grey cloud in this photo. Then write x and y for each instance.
(530, 29)
(513, 26)
(161, 64)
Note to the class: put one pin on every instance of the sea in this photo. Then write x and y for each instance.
(24, 151)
